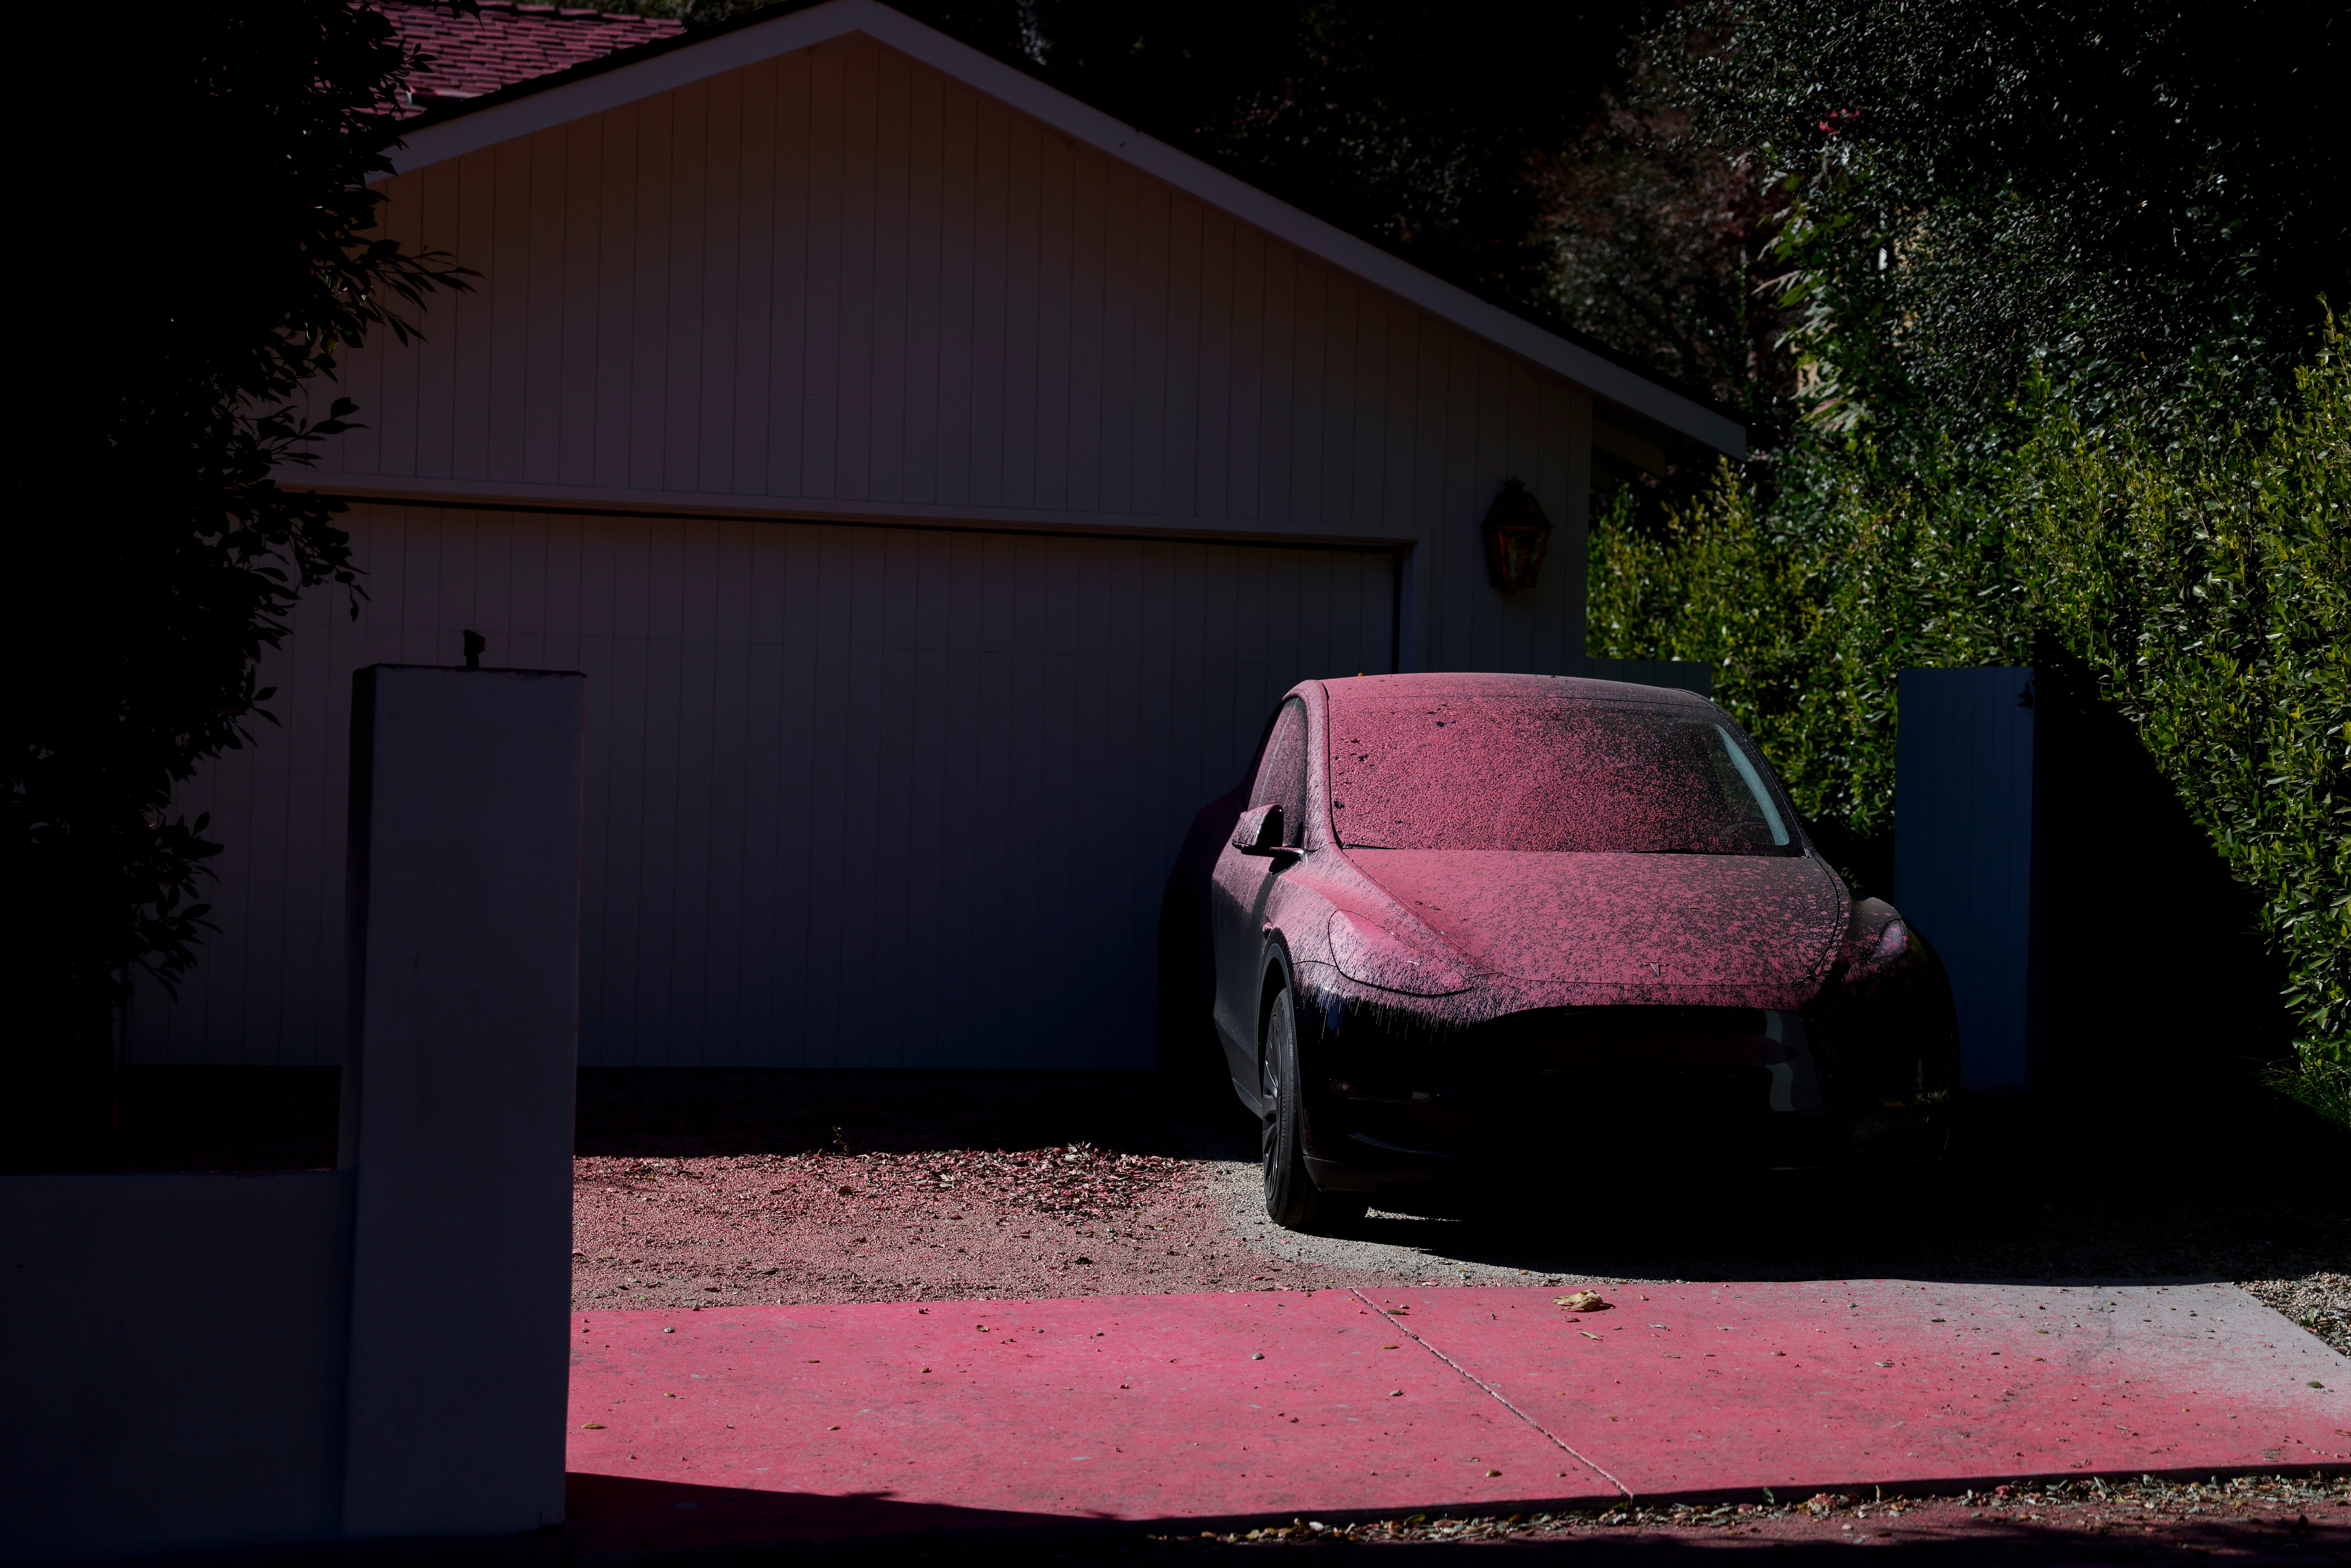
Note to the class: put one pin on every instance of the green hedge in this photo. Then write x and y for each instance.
(2202, 573)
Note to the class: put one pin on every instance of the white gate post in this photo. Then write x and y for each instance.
(1963, 853)
(457, 1095)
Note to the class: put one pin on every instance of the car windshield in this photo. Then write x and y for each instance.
(1529, 774)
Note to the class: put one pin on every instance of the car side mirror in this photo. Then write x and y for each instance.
(1259, 832)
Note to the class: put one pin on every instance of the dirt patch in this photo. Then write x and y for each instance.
(702, 1188)
(828, 1187)
(831, 1227)
(1160, 1195)
(2319, 1301)
(698, 1188)
(2253, 1518)
(1113, 1188)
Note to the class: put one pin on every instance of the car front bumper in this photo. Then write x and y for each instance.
(1564, 1093)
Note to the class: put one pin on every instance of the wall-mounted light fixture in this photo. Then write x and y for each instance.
(1517, 534)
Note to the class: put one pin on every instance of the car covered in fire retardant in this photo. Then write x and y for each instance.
(1452, 925)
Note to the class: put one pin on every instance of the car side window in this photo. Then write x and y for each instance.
(1282, 773)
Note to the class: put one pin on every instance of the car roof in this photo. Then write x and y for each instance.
(1381, 691)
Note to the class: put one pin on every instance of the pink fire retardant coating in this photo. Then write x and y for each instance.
(503, 43)
(1623, 920)
(1581, 843)
(1102, 1408)
(1532, 764)
(1838, 1385)
(775, 1423)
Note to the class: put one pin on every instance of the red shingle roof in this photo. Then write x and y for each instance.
(507, 43)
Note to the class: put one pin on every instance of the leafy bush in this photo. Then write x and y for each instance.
(2201, 569)
(157, 555)
(2208, 583)
(1807, 595)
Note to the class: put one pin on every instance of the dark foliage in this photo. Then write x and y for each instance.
(2109, 192)
(1662, 236)
(211, 197)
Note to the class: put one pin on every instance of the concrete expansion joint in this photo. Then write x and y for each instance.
(1491, 1391)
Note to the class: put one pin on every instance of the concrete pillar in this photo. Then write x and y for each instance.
(1963, 853)
(457, 1095)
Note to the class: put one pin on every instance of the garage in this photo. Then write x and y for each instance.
(858, 796)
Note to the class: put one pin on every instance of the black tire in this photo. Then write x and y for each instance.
(1291, 1199)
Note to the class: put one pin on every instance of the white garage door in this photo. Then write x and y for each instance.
(858, 796)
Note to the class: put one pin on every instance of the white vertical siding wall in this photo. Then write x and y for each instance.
(839, 283)
(858, 795)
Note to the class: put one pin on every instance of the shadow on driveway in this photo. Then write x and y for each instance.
(2237, 1187)
(2027, 1192)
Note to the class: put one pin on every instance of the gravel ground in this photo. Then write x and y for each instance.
(2268, 1519)
(2320, 1303)
(832, 1226)
(703, 1187)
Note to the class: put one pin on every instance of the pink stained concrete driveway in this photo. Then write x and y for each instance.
(771, 1423)
(1830, 1386)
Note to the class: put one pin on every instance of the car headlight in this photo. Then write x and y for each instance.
(1884, 961)
(1888, 1013)
(1370, 954)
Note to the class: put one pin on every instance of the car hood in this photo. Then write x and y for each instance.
(1641, 921)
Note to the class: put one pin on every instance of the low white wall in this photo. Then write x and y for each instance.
(173, 1352)
(380, 1350)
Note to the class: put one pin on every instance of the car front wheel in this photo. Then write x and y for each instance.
(1292, 1199)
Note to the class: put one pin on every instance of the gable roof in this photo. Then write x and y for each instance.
(456, 127)
(505, 42)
